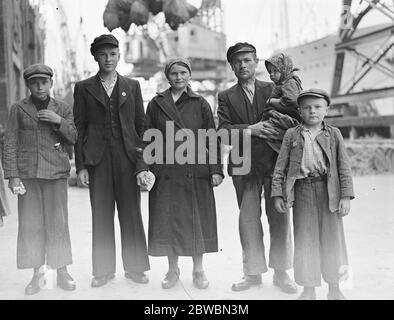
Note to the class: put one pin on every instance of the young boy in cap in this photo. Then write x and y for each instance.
(313, 175)
(37, 165)
(109, 116)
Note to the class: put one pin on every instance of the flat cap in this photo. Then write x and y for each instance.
(104, 39)
(318, 93)
(239, 47)
(37, 71)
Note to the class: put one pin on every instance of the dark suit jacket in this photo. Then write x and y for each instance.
(89, 114)
(232, 110)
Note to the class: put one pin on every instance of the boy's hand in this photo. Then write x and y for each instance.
(49, 116)
(83, 178)
(280, 204)
(13, 183)
(344, 206)
(216, 180)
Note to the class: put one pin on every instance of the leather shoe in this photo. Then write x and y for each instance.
(138, 277)
(247, 282)
(335, 295)
(200, 281)
(65, 281)
(285, 283)
(101, 281)
(307, 295)
(33, 287)
(171, 279)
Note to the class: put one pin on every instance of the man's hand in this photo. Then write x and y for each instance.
(49, 116)
(83, 178)
(216, 180)
(344, 206)
(13, 182)
(256, 128)
(141, 180)
(280, 204)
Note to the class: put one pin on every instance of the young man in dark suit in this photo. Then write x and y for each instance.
(241, 107)
(109, 117)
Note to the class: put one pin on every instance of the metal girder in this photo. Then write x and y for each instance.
(382, 8)
(348, 44)
(368, 61)
(369, 68)
(348, 33)
(337, 80)
(378, 34)
(366, 95)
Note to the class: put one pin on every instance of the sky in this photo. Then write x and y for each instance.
(255, 21)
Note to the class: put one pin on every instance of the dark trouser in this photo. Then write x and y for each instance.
(320, 247)
(113, 180)
(43, 235)
(248, 190)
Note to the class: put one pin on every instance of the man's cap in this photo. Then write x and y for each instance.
(318, 93)
(104, 39)
(37, 71)
(239, 47)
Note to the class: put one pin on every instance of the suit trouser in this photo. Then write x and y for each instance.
(113, 181)
(320, 247)
(43, 234)
(248, 190)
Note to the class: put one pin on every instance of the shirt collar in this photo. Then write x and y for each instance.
(113, 80)
(248, 85)
(324, 127)
(40, 103)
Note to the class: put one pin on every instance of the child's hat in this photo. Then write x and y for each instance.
(239, 47)
(37, 71)
(318, 93)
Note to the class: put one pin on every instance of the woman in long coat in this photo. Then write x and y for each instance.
(182, 213)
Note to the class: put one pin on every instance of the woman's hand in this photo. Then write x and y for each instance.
(344, 206)
(216, 180)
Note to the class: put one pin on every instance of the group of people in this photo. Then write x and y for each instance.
(309, 170)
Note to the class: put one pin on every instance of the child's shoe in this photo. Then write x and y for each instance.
(335, 295)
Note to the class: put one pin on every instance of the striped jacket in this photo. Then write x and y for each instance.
(36, 149)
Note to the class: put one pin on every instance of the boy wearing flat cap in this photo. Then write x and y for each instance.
(313, 175)
(241, 108)
(109, 116)
(36, 162)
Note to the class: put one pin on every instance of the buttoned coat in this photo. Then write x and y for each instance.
(232, 111)
(288, 165)
(90, 120)
(182, 213)
(31, 147)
